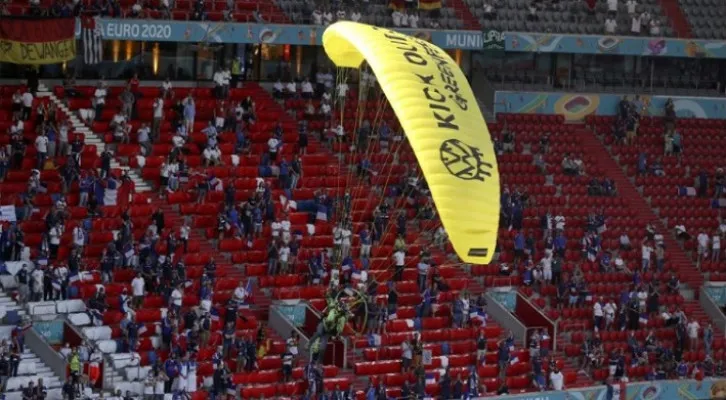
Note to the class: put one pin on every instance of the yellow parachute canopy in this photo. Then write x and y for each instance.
(443, 123)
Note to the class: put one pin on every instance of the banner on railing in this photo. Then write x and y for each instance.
(31, 41)
(311, 35)
(622, 45)
(576, 106)
(658, 390)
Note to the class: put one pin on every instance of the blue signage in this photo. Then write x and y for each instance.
(311, 35)
(295, 313)
(508, 298)
(576, 106)
(227, 32)
(622, 45)
(52, 331)
(657, 390)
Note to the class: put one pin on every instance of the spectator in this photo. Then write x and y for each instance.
(631, 5)
(397, 17)
(635, 24)
(557, 380)
(99, 99)
(611, 25)
(27, 101)
(703, 242)
(693, 328)
(654, 26)
(612, 8)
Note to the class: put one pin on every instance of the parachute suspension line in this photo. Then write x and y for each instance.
(381, 105)
(341, 78)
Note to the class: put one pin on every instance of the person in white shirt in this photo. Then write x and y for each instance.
(702, 245)
(609, 312)
(488, 11)
(716, 247)
(654, 27)
(218, 79)
(635, 25)
(307, 89)
(646, 251)
(99, 99)
(399, 260)
(397, 17)
(275, 229)
(55, 234)
(325, 108)
(212, 156)
(79, 236)
(612, 7)
(327, 18)
(175, 300)
(340, 15)
(184, 232)
(138, 290)
(404, 19)
(37, 276)
(291, 89)
(41, 146)
(178, 141)
(27, 100)
(346, 241)
(273, 146)
(557, 380)
(631, 6)
(317, 17)
(597, 314)
(611, 25)
(693, 327)
(413, 20)
(342, 90)
(240, 293)
(546, 263)
(423, 273)
(278, 89)
(284, 255)
(355, 16)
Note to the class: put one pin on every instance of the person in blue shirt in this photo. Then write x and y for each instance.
(519, 242)
(190, 112)
(560, 244)
(284, 174)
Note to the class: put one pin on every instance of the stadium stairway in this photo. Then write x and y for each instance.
(467, 17)
(91, 138)
(688, 274)
(678, 19)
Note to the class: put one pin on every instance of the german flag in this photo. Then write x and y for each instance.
(398, 5)
(429, 4)
(37, 41)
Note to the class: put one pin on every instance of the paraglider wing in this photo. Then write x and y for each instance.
(440, 116)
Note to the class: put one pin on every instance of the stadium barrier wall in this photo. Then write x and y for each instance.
(532, 317)
(504, 315)
(576, 106)
(158, 30)
(38, 344)
(657, 390)
(712, 297)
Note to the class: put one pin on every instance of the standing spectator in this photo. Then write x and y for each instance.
(611, 25)
(99, 99)
(158, 110)
(693, 328)
(716, 247)
(27, 100)
(41, 146)
(702, 246)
